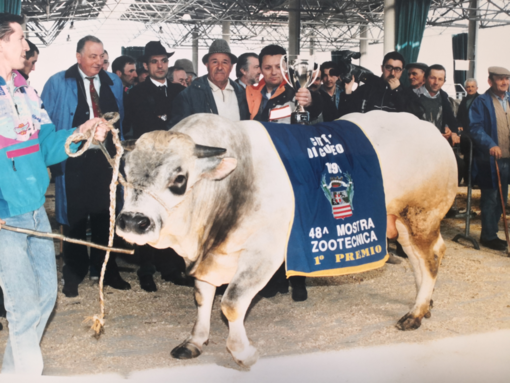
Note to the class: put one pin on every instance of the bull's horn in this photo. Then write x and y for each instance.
(202, 151)
(128, 145)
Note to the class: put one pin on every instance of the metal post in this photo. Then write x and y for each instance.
(312, 45)
(389, 26)
(226, 31)
(194, 49)
(363, 46)
(472, 38)
(294, 26)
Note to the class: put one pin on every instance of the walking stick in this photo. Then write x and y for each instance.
(503, 208)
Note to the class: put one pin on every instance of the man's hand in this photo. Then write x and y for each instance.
(460, 129)
(495, 151)
(2, 222)
(455, 139)
(394, 83)
(447, 133)
(349, 86)
(304, 97)
(101, 130)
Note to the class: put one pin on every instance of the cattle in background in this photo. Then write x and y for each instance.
(217, 193)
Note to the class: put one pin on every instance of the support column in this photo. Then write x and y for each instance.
(363, 45)
(226, 31)
(389, 25)
(194, 49)
(294, 26)
(472, 38)
(312, 45)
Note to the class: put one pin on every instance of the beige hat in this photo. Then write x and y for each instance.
(219, 46)
(498, 70)
(185, 64)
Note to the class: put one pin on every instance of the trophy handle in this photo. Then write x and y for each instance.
(286, 71)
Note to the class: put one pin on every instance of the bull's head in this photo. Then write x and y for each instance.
(161, 171)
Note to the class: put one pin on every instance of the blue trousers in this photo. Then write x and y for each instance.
(490, 203)
(28, 277)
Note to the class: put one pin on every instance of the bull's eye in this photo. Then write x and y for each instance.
(178, 186)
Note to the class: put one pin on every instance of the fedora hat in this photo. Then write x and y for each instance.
(219, 46)
(154, 48)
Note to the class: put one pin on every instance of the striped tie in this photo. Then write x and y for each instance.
(94, 97)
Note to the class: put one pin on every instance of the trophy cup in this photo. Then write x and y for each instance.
(298, 72)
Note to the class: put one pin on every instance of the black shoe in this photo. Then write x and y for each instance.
(299, 294)
(70, 290)
(271, 289)
(116, 281)
(178, 278)
(147, 283)
(494, 244)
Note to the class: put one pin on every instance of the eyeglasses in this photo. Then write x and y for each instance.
(390, 68)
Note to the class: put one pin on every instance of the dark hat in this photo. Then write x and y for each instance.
(185, 64)
(498, 70)
(219, 46)
(154, 48)
(421, 66)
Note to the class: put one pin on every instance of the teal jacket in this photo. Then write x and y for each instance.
(28, 144)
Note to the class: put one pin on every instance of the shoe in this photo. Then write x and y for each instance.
(399, 252)
(147, 283)
(116, 282)
(393, 260)
(70, 290)
(93, 274)
(494, 244)
(271, 289)
(178, 278)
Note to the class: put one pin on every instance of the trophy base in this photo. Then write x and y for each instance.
(300, 118)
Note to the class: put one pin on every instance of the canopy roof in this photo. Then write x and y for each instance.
(327, 24)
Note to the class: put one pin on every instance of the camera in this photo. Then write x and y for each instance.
(345, 69)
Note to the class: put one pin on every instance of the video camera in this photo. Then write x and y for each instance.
(346, 69)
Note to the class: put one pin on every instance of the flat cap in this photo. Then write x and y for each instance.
(421, 66)
(499, 70)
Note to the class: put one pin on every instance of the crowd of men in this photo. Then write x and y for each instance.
(150, 94)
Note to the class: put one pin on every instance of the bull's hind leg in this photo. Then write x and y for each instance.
(192, 347)
(247, 282)
(425, 251)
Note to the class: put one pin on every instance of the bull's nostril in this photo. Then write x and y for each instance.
(144, 223)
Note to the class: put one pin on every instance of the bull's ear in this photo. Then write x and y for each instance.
(202, 151)
(128, 145)
(223, 169)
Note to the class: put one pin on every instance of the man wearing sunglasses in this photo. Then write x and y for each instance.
(379, 93)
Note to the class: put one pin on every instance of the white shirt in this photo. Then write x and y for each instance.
(86, 83)
(158, 84)
(422, 90)
(226, 101)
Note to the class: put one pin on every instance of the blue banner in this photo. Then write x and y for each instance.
(339, 224)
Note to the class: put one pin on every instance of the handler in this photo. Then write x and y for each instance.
(28, 144)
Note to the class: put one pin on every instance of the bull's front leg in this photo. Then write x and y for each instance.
(192, 347)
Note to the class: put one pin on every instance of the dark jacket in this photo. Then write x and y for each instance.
(283, 96)
(198, 98)
(463, 112)
(148, 108)
(448, 115)
(375, 94)
(329, 110)
(484, 133)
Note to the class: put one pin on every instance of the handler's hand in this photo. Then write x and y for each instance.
(455, 139)
(447, 133)
(349, 86)
(495, 151)
(2, 222)
(304, 97)
(101, 130)
(394, 83)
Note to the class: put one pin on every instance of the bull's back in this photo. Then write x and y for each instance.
(417, 163)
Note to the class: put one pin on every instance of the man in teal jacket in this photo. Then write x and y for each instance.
(28, 144)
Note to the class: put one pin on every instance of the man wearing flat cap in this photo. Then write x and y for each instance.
(416, 73)
(215, 92)
(489, 116)
(148, 108)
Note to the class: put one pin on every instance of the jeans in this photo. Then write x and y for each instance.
(490, 203)
(28, 277)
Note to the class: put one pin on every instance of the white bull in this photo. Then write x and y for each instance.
(227, 213)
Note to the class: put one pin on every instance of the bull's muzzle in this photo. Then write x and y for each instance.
(136, 223)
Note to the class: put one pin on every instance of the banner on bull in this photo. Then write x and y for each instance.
(339, 224)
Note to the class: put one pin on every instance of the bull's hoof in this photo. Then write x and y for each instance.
(408, 322)
(185, 350)
(247, 358)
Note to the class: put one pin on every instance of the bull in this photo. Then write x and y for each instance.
(216, 192)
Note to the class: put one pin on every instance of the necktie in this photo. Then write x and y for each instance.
(94, 97)
(163, 89)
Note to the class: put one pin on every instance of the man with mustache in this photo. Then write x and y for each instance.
(215, 92)
(72, 97)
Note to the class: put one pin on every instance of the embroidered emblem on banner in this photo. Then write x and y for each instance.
(339, 191)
